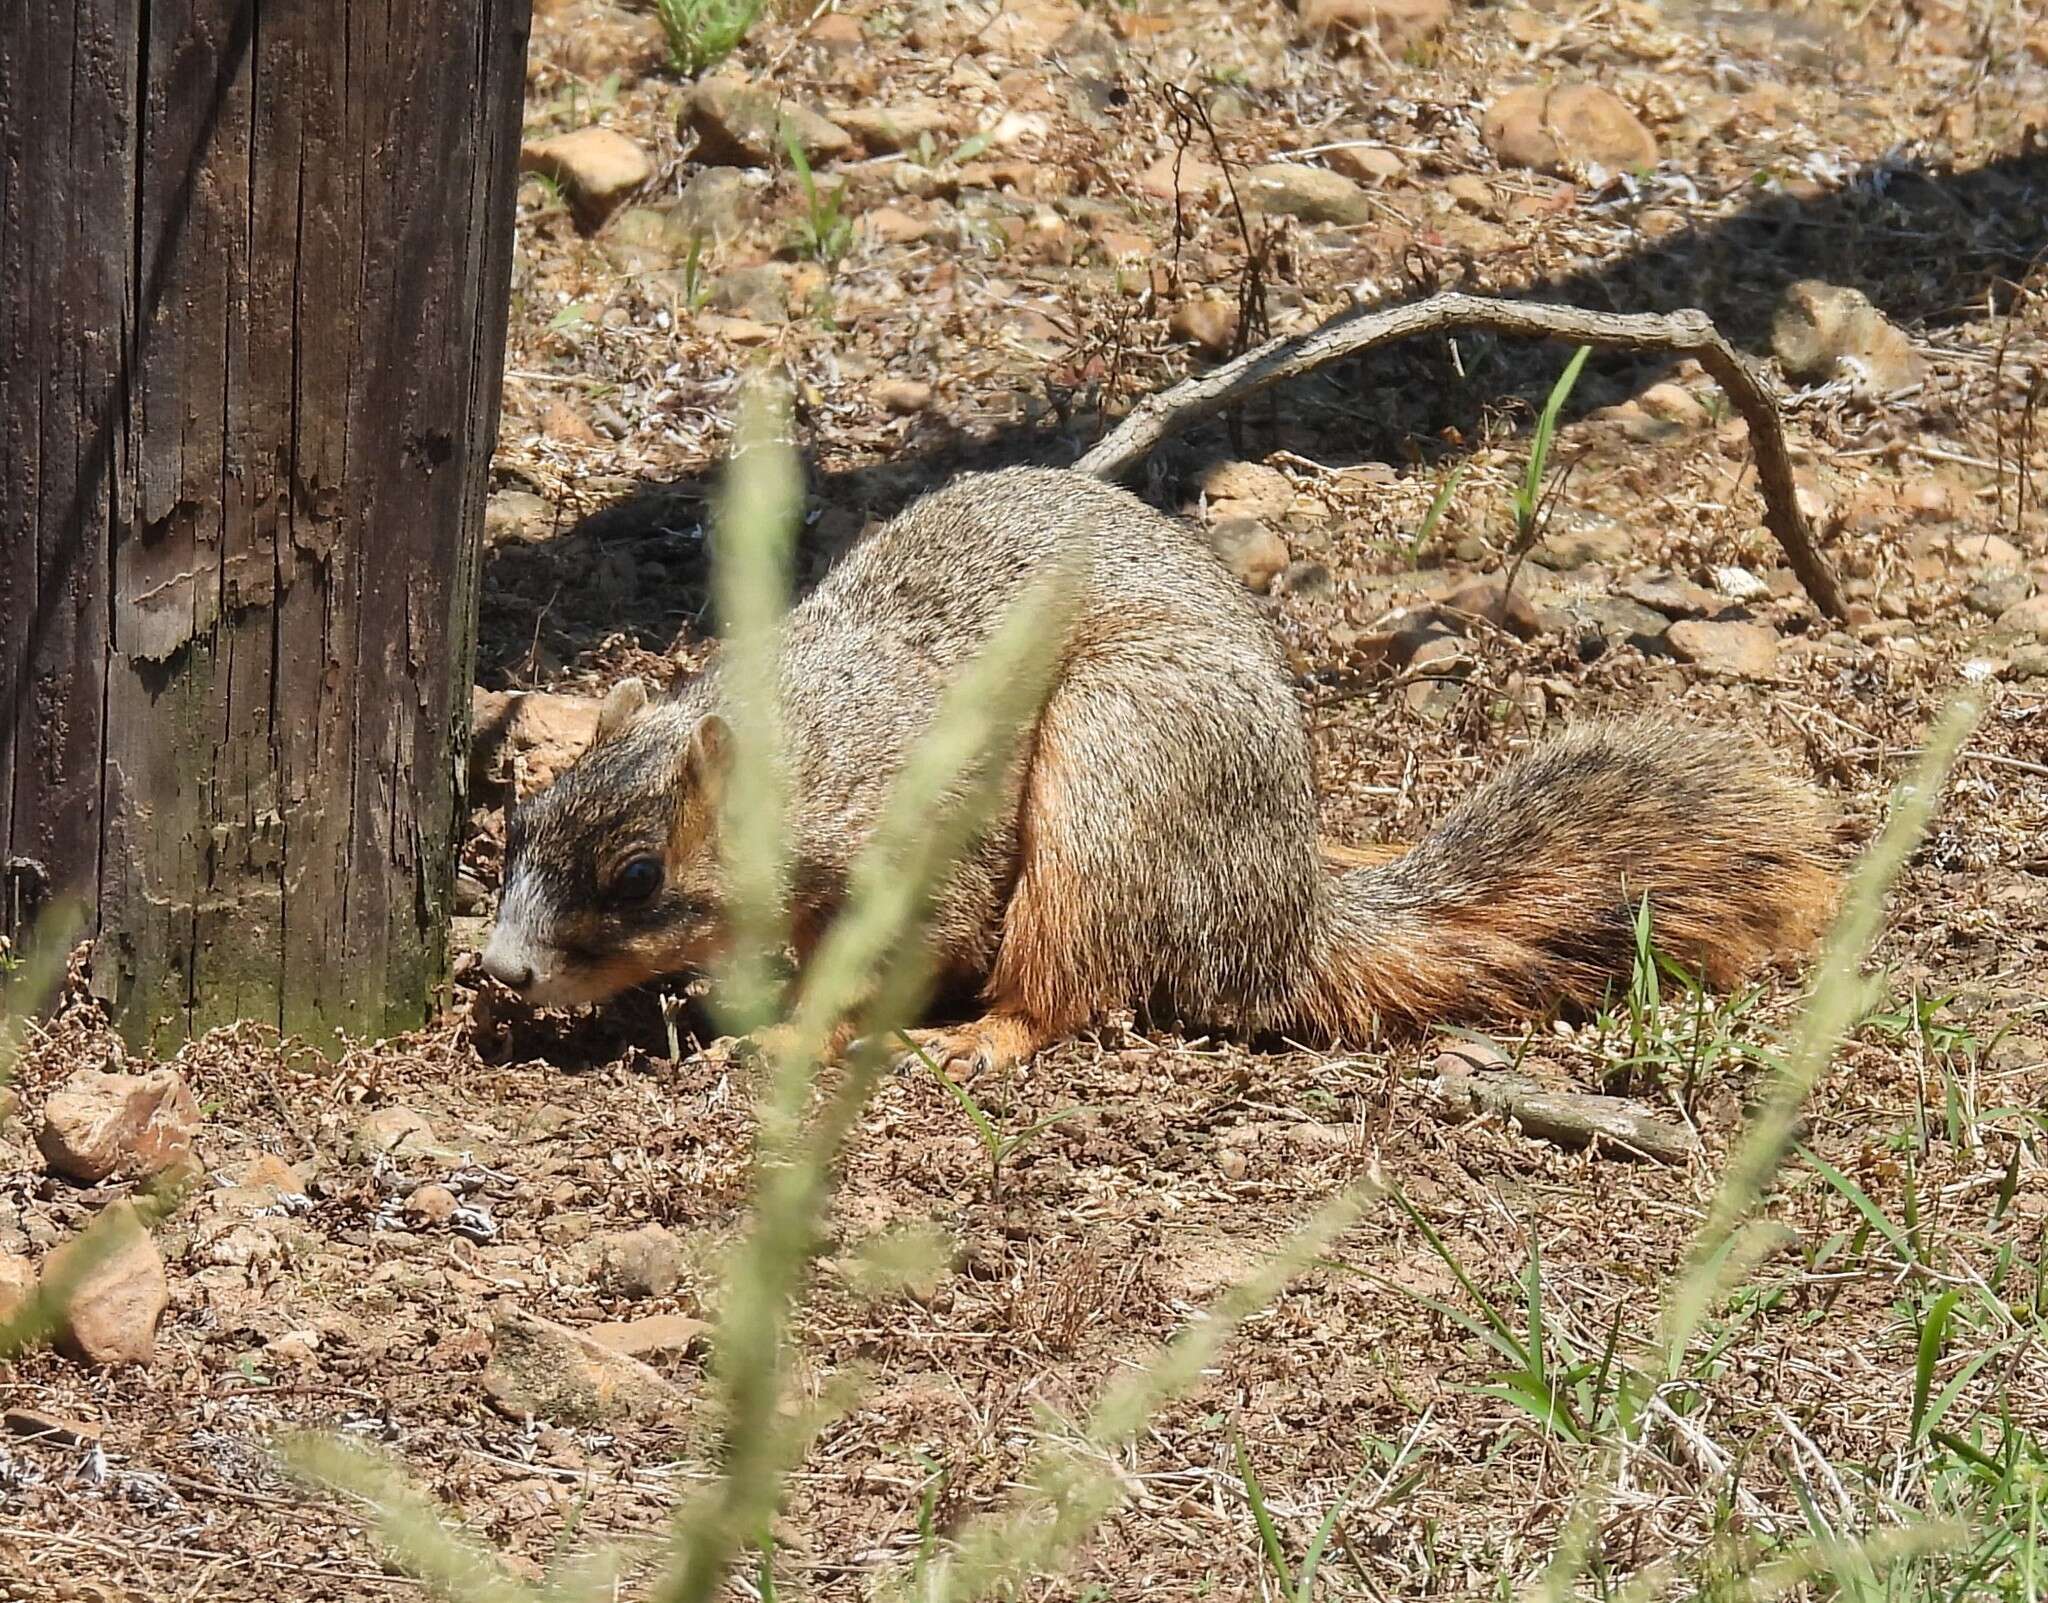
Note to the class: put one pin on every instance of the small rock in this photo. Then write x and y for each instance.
(1739, 584)
(1986, 550)
(268, 1169)
(95, 1125)
(111, 1313)
(1503, 608)
(1251, 489)
(17, 1284)
(648, 1262)
(2027, 617)
(884, 130)
(741, 126)
(1250, 550)
(596, 167)
(1469, 192)
(1186, 177)
(1397, 24)
(644, 240)
(563, 422)
(542, 1370)
(1998, 592)
(1314, 194)
(517, 517)
(1026, 30)
(35, 1425)
(716, 204)
(1210, 324)
(760, 292)
(1615, 620)
(399, 1131)
(1603, 542)
(657, 1336)
(894, 226)
(836, 34)
(431, 1204)
(1748, 650)
(244, 1246)
(903, 396)
(527, 734)
(297, 1347)
(1822, 332)
(1674, 403)
(1468, 1057)
(1368, 164)
(738, 330)
(1672, 594)
(1574, 125)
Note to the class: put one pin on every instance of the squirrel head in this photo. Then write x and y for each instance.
(612, 874)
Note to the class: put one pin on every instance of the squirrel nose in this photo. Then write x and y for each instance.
(506, 963)
(516, 977)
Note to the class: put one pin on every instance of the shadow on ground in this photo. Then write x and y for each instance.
(1931, 248)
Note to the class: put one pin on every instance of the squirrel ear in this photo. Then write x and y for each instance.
(627, 697)
(706, 756)
(710, 746)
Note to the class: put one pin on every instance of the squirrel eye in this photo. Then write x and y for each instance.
(638, 880)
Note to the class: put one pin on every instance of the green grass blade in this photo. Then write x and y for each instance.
(1312, 1560)
(1530, 495)
(1859, 1199)
(984, 1127)
(1494, 1317)
(1269, 1534)
(1933, 1337)
(1927, 1420)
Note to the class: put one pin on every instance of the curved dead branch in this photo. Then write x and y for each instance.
(1683, 333)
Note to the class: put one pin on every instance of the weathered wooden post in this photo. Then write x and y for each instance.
(254, 258)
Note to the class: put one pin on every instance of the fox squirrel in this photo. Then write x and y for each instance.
(1157, 844)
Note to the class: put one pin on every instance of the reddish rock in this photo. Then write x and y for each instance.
(1396, 24)
(597, 168)
(1250, 550)
(17, 1284)
(542, 1370)
(110, 1313)
(1209, 324)
(1492, 600)
(1748, 650)
(96, 1125)
(1573, 125)
(657, 1336)
(536, 733)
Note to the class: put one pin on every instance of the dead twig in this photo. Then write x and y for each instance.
(1683, 333)
(1568, 1118)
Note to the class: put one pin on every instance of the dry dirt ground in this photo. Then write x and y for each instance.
(996, 291)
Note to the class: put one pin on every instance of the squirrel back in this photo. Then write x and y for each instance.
(1157, 845)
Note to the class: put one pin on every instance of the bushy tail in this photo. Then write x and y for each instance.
(1525, 897)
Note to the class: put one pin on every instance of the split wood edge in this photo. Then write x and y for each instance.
(1683, 333)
